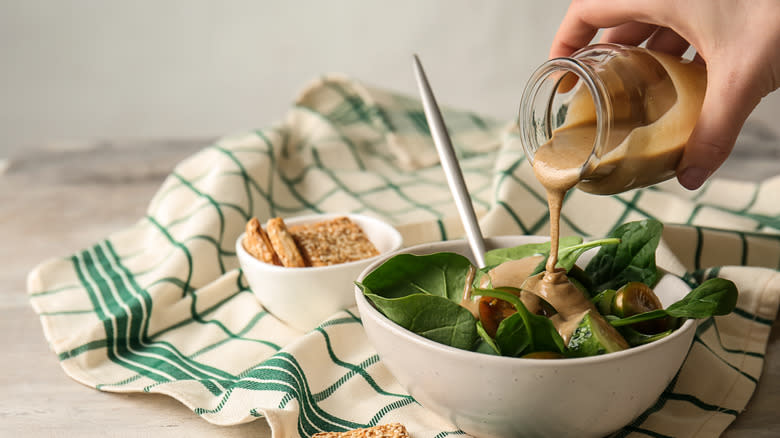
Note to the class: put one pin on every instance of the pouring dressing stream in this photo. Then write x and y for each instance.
(625, 115)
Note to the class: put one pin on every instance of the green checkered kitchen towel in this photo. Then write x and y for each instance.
(163, 307)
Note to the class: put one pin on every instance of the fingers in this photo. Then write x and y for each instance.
(727, 104)
(668, 41)
(573, 34)
(632, 34)
(585, 17)
(661, 39)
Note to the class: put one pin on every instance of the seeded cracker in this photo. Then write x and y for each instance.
(331, 242)
(392, 430)
(284, 244)
(257, 243)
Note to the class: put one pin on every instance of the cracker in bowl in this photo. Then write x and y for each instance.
(284, 244)
(324, 243)
(331, 242)
(258, 244)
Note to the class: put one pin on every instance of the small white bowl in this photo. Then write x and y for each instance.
(304, 297)
(494, 396)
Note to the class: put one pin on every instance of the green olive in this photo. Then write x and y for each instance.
(635, 298)
(603, 301)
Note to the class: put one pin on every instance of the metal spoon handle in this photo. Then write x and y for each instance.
(451, 167)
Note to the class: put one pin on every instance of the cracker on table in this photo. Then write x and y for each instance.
(284, 244)
(391, 430)
(257, 243)
(334, 241)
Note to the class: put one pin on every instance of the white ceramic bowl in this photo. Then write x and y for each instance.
(493, 396)
(304, 297)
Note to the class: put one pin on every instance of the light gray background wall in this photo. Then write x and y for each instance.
(75, 71)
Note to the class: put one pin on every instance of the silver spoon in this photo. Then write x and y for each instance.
(449, 162)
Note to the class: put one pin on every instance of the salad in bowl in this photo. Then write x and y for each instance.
(472, 346)
(507, 309)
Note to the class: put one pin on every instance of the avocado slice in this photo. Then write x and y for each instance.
(594, 336)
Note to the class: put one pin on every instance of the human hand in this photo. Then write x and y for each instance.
(738, 40)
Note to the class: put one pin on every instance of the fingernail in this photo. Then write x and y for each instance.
(693, 177)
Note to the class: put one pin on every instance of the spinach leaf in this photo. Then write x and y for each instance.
(441, 274)
(497, 256)
(716, 296)
(633, 259)
(423, 294)
(486, 344)
(431, 316)
(635, 338)
(523, 332)
(567, 256)
(512, 336)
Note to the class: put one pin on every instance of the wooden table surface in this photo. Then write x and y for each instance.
(54, 203)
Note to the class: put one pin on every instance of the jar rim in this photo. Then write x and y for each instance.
(598, 94)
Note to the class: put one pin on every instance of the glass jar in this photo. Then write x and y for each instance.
(628, 111)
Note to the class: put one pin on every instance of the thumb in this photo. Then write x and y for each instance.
(727, 103)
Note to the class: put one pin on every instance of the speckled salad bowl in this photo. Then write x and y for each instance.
(495, 396)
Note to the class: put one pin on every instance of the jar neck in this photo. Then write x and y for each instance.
(539, 115)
